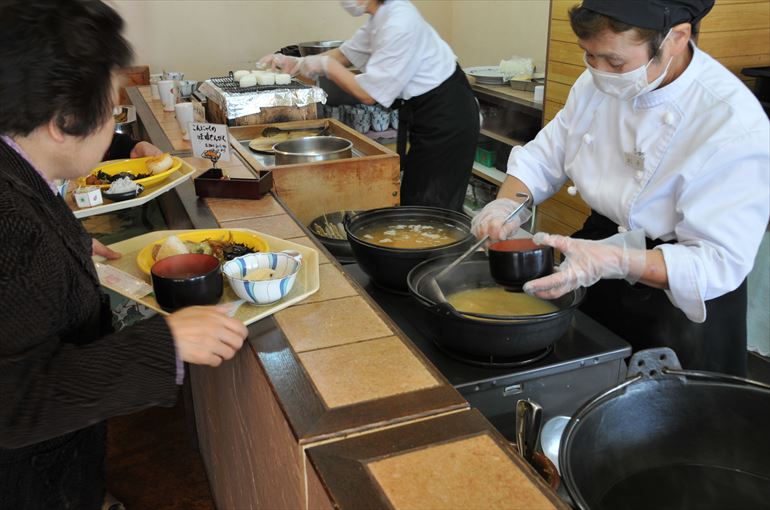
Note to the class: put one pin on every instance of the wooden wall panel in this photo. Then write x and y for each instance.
(735, 32)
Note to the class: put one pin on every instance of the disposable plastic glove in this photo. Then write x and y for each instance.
(279, 62)
(312, 66)
(490, 219)
(586, 262)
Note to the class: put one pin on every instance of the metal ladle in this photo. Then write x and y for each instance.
(432, 289)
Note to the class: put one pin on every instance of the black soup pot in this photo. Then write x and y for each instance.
(389, 267)
(670, 438)
(187, 280)
(514, 262)
(485, 336)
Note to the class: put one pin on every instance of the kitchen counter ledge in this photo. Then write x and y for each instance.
(330, 368)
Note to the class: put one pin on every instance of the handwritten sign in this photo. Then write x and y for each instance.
(210, 141)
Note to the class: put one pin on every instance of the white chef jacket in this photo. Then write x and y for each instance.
(688, 162)
(399, 53)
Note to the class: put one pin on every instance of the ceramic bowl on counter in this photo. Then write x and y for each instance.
(263, 278)
(186, 280)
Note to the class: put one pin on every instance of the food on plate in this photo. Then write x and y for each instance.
(260, 274)
(498, 301)
(122, 185)
(122, 116)
(412, 234)
(282, 79)
(160, 163)
(517, 68)
(101, 177)
(224, 250)
(247, 81)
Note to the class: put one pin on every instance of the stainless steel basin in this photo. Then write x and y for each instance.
(312, 149)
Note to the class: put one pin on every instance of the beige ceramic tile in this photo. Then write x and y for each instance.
(306, 241)
(227, 209)
(469, 473)
(281, 225)
(334, 285)
(328, 323)
(350, 374)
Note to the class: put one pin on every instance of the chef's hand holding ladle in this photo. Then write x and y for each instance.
(498, 220)
(432, 288)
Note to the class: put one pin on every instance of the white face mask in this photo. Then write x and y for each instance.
(627, 86)
(353, 7)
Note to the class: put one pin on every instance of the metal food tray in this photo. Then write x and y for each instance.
(228, 84)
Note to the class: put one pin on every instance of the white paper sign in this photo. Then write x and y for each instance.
(210, 141)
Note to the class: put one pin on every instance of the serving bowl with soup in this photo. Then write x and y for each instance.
(263, 278)
(514, 262)
(483, 319)
(388, 242)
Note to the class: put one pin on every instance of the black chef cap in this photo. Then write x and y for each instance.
(652, 14)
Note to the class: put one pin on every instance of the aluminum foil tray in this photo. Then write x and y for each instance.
(238, 102)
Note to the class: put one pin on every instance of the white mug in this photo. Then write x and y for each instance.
(167, 90)
(186, 87)
(173, 75)
(154, 79)
(184, 115)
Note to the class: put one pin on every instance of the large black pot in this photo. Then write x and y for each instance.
(670, 439)
(486, 335)
(388, 267)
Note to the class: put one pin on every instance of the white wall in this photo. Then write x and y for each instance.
(208, 38)
(487, 31)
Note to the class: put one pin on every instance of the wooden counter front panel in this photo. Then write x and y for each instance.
(252, 458)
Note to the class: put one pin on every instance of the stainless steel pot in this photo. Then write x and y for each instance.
(312, 149)
(316, 47)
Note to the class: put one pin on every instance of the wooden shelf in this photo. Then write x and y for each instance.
(501, 138)
(489, 174)
(506, 93)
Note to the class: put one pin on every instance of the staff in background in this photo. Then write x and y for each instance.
(671, 152)
(405, 63)
(63, 371)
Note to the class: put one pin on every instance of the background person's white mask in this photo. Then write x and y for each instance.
(626, 86)
(353, 7)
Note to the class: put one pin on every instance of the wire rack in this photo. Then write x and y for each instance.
(228, 84)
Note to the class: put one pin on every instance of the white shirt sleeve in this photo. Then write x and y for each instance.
(391, 65)
(358, 49)
(725, 211)
(540, 163)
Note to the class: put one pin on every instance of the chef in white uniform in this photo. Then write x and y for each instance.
(672, 153)
(406, 64)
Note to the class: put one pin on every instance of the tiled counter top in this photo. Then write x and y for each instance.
(327, 370)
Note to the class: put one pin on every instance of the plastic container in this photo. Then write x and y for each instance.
(486, 154)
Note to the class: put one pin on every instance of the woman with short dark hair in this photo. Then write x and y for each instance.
(671, 152)
(63, 371)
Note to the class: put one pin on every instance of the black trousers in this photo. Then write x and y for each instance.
(645, 317)
(442, 126)
(66, 472)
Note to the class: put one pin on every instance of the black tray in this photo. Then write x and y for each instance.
(210, 184)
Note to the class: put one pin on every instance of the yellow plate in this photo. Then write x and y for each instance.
(135, 166)
(145, 261)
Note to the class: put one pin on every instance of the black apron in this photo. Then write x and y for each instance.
(442, 126)
(644, 316)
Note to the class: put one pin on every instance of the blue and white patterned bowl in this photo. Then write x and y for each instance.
(284, 267)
